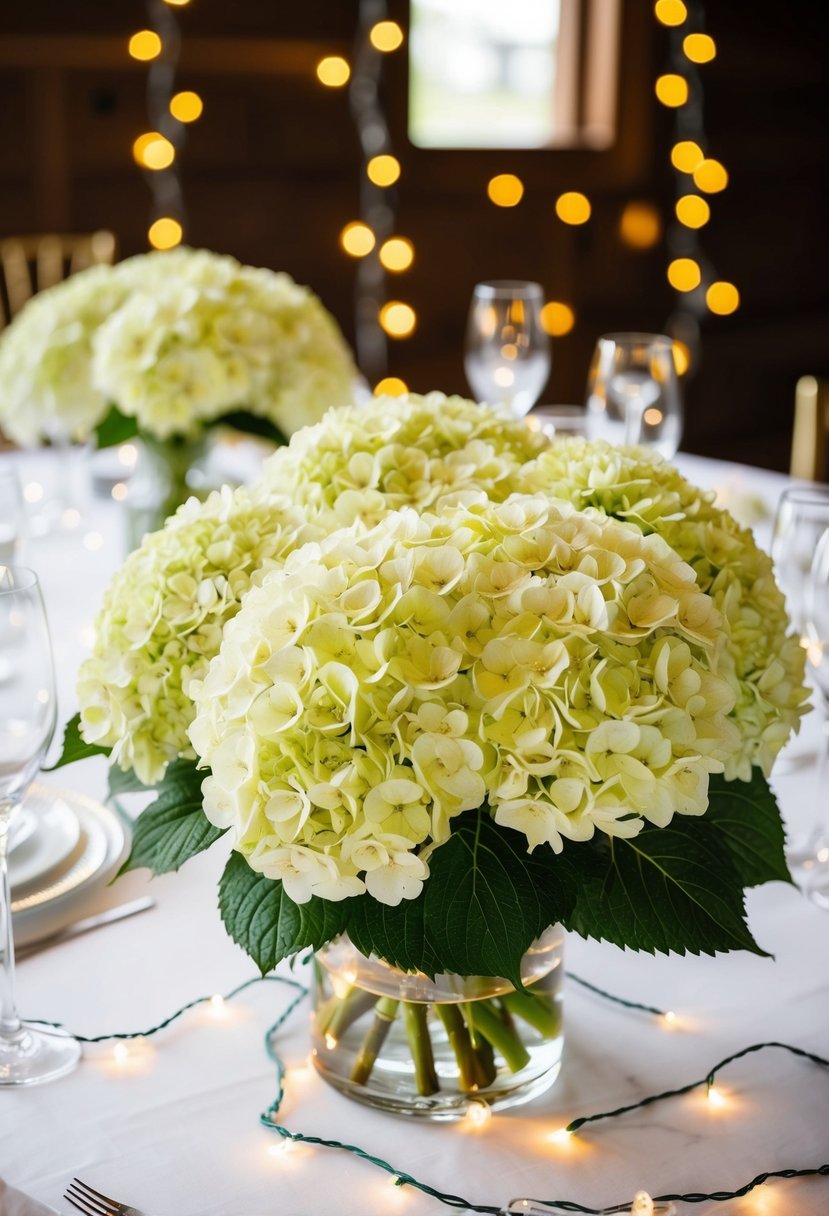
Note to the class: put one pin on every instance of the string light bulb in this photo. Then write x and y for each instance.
(478, 1114)
(145, 45)
(692, 211)
(672, 90)
(391, 386)
(386, 36)
(153, 151)
(186, 106)
(333, 71)
(699, 48)
(357, 239)
(642, 1204)
(557, 318)
(640, 225)
(505, 190)
(722, 298)
(670, 12)
(397, 254)
(383, 170)
(687, 156)
(120, 1053)
(669, 1018)
(716, 1098)
(165, 233)
(684, 274)
(398, 319)
(573, 207)
(560, 1136)
(710, 176)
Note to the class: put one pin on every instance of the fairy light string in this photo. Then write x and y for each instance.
(400, 1178)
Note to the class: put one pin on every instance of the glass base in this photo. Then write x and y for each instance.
(36, 1053)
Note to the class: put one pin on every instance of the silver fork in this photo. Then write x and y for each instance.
(94, 1203)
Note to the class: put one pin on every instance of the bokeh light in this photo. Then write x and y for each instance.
(572, 207)
(357, 239)
(505, 190)
(640, 225)
(333, 71)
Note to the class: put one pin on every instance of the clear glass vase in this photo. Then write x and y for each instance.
(168, 472)
(413, 1046)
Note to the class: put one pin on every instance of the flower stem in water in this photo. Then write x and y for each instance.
(417, 1031)
(385, 1011)
(461, 1044)
(502, 1038)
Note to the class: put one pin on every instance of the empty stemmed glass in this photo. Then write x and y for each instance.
(816, 625)
(507, 358)
(28, 1052)
(633, 392)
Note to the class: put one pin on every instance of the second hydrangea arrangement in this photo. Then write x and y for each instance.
(462, 685)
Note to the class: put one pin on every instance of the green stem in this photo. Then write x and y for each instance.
(504, 1040)
(346, 1012)
(535, 1011)
(417, 1031)
(485, 1066)
(461, 1044)
(385, 1011)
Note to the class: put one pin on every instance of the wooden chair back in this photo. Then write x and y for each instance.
(32, 263)
(810, 438)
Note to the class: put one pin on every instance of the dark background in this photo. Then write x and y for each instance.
(271, 174)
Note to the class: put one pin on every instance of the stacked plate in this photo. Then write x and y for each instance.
(62, 846)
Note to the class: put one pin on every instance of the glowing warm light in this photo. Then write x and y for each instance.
(217, 1002)
(722, 298)
(710, 176)
(92, 541)
(165, 233)
(682, 361)
(670, 1018)
(684, 274)
(145, 45)
(333, 71)
(391, 386)
(504, 377)
(120, 1053)
(672, 90)
(397, 319)
(70, 518)
(687, 156)
(33, 491)
(394, 1180)
(561, 1136)
(330, 1042)
(186, 106)
(383, 170)
(386, 36)
(357, 239)
(642, 1204)
(573, 207)
(699, 48)
(397, 253)
(177, 3)
(692, 211)
(670, 12)
(153, 151)
(119, 491)
(282, 1149)
(128, 454)
(653, 416)
(478, 1114)
(716, 1098)
(640, 225)
(505, 190)
(822, 855)
(557, 318)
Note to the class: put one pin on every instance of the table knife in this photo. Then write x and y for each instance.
(84, 926)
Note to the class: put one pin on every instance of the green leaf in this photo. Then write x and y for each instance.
(120, 782)
(748, 819)
(115, 428)
(266, 923)
(74, 747)
(667, 889)
(253, 424)
(486, 900)
(174, 827)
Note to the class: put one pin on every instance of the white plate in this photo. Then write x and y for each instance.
(62, 899)
(56, 837)
(23, 824)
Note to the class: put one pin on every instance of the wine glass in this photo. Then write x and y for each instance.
(815, 858)
(633, 392)
(28, 1052)
(802, 518)
(507, 359)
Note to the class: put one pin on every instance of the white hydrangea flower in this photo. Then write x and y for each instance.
(555, 664)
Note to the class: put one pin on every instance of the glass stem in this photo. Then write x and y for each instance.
(9, 1021)
(821, 829)
(634, 413)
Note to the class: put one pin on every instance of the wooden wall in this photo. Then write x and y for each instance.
(271, 173)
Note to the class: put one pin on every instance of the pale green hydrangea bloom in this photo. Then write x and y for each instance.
(763, 661)
(46, 389)
(558, 665)
(409, 451)
(162, 620)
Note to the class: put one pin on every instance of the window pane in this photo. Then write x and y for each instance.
(482, 73)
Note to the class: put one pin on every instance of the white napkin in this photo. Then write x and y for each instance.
(15, 1203)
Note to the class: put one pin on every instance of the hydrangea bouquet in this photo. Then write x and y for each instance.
(164, 344)
(443, 684)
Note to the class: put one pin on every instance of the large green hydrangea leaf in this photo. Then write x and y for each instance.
(748, 819)
(75, 747)
(268, 925)
(486, 900)
(174, 827)
(673, 889)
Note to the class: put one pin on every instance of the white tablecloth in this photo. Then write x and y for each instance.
(174, 1128)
